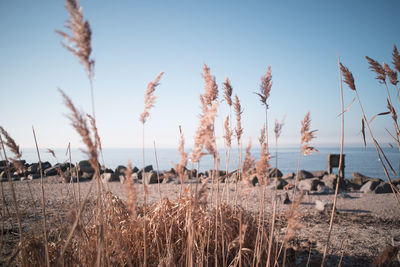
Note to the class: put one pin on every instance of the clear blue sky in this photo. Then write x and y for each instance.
(134, 40)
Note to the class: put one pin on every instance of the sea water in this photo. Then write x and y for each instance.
(357, 159)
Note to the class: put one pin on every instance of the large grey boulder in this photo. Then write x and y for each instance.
(62, 166)
(309, 184)
(330, 181)
(289, 176)
(319, 174)
(278, 183)
(383, 188)
(304, 175)
(151, 178)
(33, 168)
(148, 168)
(359, 179)
(85, 166)
(120, 170)
(369, 186)
(274, 172)
(108, 177)
(50, 171)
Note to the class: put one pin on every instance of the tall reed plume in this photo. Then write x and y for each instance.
(205, 135)
(349, 80)
(78, 42)
(305, 148)
(265, 89)
(149, 99)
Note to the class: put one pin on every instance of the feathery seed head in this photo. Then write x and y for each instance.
(396, 58)
(149, 97)
(238, 112)
(391, 74)
(11, 144)
(265, 87)
(307, 136)
(211, 87)
(204, 136)
(249, 161)
(78, 121)
(348, 77)
(228, 91)
(263, 165)
(228, 132)
(378, 69)
(278, 127)
(79, 42)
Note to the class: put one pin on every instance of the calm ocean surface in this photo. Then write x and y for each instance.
(357, 159)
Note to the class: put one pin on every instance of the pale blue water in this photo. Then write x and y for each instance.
(357, 159)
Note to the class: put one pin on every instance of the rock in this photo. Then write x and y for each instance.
(274, 172)
(151, 178)
(3, 174)
(351, 186)
(278, 183)
(369, 186)
(321, 205)
(359, 179)
(396, 181)
(210, 173)
(322, 189)
(16, 178)
(33, 176)
(86, 176)
(84, 166)
(50, 171)
(330, 181)
(120, 170)
(289, 176)
(122, 178)
(33, 168)
(287, 200)
(108, 177)
(46, 165)
(3, 163)
(108, 171)
(62, 166)
(167, 180)
(319, 174)
(309, 184)
(148, 168)
(383, 188)
(253, 179)
(304, 175)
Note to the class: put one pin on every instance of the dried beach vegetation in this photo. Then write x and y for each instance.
(197, 228)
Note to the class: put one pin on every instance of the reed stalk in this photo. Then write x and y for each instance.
(349, 80)
(46, 248)
(15, 149)
(340, 167)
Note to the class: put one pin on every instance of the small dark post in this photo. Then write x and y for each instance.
(333, 162)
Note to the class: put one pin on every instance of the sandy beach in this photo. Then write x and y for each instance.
(365, 224)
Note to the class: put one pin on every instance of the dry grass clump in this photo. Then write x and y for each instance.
(168, 228)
